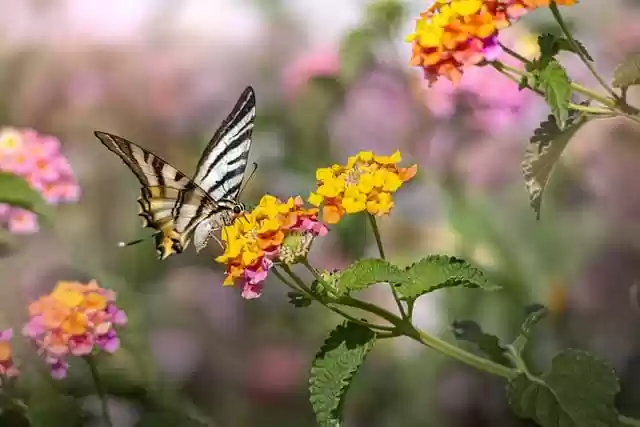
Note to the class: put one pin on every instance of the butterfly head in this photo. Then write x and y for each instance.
(239, 208)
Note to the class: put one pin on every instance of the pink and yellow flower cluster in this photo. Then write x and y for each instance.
(454, 34)
(36, 158)
(282, 232)
(273, 231)
(75, 319)
(365, 183)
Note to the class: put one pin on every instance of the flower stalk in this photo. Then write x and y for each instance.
(401, 326)
(99, 388)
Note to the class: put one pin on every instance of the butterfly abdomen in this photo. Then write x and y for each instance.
(168, 242)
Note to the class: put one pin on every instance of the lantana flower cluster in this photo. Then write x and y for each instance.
(273, 231)
(36, 158)
(453, 34)
(74, 320)
(282, 232)
(365, 183)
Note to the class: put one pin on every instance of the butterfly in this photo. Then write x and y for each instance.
(179, 208)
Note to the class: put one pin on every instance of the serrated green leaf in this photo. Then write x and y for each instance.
(555, 84)
(549, 48)
(550, 45)
(298, 300)
(469, 330)
(367, 272)
(440, 271)
(543, 151)
(355, 54)
(578, 392)
(334, 367)
(15, 191)
(534, 313)
(565, 44)
(628, 72)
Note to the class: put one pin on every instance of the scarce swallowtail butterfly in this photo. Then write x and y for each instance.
(179, 208)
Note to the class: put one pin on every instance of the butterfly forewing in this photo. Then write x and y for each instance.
(222, 166)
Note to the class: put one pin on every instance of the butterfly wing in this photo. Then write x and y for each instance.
(170, 202)
(221, 168)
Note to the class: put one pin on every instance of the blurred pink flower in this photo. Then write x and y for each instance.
(75, 319)
(321, 62)
(276, 371)
(378, 114)
(494, 104)
(36, 158)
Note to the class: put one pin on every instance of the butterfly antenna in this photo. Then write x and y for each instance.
(135, 242)
(255, 168)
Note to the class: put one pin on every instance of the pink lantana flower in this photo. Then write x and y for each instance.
(74, 320)
(36, 158)
(274, 231)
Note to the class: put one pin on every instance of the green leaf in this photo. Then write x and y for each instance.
(440, 271)
(578, 392)
(535, 313)
(298, 300)
(628, 72)
(555, 84)
(545, 147)
(15, 191)
(551, 45)
(469, 330)
(333, 369)
(565, 44)
(549, 48)
(367, 272)
(355, 54)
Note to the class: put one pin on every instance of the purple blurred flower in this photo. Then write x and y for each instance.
(494, 104)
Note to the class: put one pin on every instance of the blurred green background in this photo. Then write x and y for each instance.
(331, 78)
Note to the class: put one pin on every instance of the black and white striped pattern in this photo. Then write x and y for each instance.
(221, 168)
(177, 206)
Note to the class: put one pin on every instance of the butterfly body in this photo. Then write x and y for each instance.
(179, 208)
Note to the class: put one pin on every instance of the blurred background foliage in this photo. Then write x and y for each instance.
(331, 78)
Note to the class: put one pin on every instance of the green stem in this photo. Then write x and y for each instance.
(376, 233)
(96, 380)
(628, 421)
(401, 327)
(302, 287)
(576, 48)
(431, 341)
(591, 110)
(574, 86)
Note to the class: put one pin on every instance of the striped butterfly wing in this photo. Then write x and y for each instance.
(223, 163)
(165, 191)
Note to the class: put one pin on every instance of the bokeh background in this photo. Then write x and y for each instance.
(331, 78)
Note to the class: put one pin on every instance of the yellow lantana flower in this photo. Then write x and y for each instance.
(365, 183)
